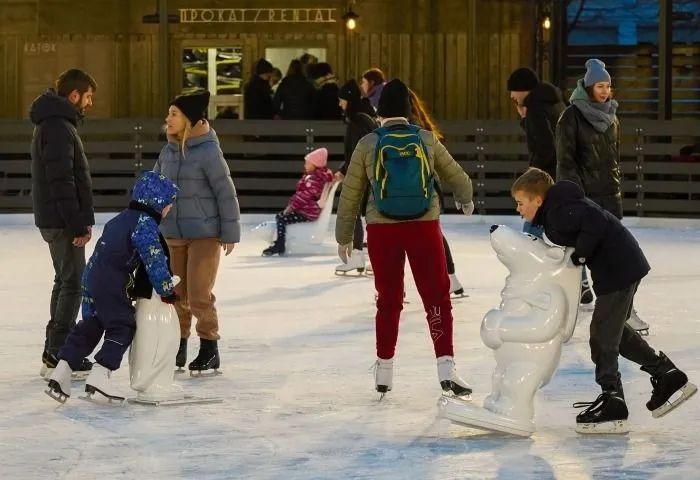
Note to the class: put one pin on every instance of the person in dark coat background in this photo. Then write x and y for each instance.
(129, 239)
(539, 104)
(588, 151)
(257, 93)
(617, 265)
(361, 119)
(294, 97)
(62, 201)
(326, 101)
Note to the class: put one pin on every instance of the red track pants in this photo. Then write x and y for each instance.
(421, 242)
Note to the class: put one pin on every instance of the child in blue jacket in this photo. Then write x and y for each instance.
(130, 240)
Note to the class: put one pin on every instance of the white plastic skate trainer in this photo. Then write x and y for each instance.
(308, 238)
(152, 355)
(537, 315)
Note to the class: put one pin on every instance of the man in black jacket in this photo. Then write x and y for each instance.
(617, 265)
(62, 200)
(539, 105)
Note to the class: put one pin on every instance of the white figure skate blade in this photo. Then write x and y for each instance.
(104, 401)
(617, 427)
(676, 400)
(188, 400)
(205, 373)
(354, 273)
(469, 415)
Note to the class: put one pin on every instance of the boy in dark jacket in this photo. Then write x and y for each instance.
(617, 265)
(128, 241)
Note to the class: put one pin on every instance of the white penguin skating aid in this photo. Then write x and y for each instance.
(152, 353)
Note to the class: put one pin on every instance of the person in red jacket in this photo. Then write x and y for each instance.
(303, 206)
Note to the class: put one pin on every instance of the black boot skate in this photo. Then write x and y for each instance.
(49, 362)
(274, 249)
(606, 415)
(207, 359)
(181, 357)
(670, 387)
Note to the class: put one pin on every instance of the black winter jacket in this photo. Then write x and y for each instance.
(61, 182)
(590, 159)
(545, 105)
(257, 100)
(359, 125)
(294, 98)
(612, 253)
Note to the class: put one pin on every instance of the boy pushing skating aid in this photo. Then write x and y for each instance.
(617, 265)
(128, 240)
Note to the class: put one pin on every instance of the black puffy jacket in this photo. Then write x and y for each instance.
(61, 182)
(294, 98)
(544, 107)
(590, 159)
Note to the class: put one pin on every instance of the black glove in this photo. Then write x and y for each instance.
(577, 260)
(171, 299)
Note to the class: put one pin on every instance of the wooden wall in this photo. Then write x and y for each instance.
(457, 54)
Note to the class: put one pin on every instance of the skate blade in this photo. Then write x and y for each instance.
(215, 372)
(351, 273)
(643, 332)
(683, 394)
(60, 397)
(455, 296)
(188, 400)
(180, 371)
(616, 427)
(112, 400)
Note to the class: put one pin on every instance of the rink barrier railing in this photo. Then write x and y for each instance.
(265, 158)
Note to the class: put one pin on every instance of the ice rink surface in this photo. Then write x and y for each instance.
(297, 350)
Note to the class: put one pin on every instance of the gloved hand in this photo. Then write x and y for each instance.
(577, 259)
(171, 299)
(345, 251)
(467, 208)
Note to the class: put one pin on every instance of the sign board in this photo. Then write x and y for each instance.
(257, 15)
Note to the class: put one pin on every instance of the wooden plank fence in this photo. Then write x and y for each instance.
(265, 158)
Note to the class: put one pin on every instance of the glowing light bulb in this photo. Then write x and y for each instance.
(351, 24)
(546, 23)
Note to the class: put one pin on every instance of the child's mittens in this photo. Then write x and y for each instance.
(171, 299)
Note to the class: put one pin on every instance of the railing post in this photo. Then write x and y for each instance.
(309, 138)
(480, 201)
(639, 168)
(138, 149)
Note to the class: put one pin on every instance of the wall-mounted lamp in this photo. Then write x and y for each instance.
(350, 19)
(546, 21)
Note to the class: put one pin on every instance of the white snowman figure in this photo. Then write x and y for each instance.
(153, 350)
(536, 317)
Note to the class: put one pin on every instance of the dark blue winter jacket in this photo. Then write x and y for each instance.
(612, 254)
(132, 238)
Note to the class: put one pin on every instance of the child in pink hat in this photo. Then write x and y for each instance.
(303, 206)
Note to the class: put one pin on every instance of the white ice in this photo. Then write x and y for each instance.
(297, 346)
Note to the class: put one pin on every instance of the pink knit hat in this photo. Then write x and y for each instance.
(318, 158)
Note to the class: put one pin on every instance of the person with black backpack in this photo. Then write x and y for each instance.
(361, 120)
(398, 162)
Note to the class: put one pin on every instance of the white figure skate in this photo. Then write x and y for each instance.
(99, 381)
(60, 382)
(383, 376)
(638, 324)
(355, 265)
(456, 289)
(450, 381)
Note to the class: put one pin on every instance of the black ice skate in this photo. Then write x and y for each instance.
(99, 381)
(207, 362)
(181, 357)
(670, 387)
(606, 415)
(274, 249)
(49, 362)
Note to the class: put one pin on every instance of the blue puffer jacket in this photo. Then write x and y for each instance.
(206, 205)
(128, 239)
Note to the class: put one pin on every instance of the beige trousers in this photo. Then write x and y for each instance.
(196, 262)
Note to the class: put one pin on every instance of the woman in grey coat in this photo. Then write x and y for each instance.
(203, 222)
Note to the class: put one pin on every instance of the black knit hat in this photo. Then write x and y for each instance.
(523, 79)
(350, 91)
(193, 106)
(394, 100)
